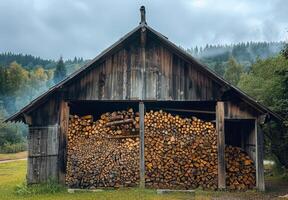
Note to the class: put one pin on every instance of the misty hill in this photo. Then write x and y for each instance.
(212, 55)
(245, 53)
(31, 62)
(27, 61)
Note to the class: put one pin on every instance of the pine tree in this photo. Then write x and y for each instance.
(60, 71)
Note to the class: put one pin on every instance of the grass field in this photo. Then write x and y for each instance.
(13, 156)
(12, 176)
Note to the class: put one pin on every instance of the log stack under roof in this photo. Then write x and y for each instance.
(180, 153)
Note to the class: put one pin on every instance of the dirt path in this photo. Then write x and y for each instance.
(11, 160)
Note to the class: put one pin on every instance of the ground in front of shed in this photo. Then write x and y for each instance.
(12, 178)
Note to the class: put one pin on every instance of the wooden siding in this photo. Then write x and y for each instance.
(47, 113)
(239, 110)
(42, 154)
(166, 77)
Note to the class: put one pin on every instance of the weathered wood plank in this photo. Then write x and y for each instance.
(237, 111)
(260, 183)
(221, 145)
(142, 158)
(64, 120)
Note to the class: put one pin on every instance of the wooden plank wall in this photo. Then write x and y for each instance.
(238, 110)
(220, 124)
(47, 113)
(64, 121)
(166, 77)
(42, 154)
(250, 142)
(260, 182)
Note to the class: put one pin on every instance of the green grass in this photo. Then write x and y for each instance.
(12, 186)
(12, 156)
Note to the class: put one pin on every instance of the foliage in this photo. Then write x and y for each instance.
(267, 82)
(10, 135)
(245, 53)
(284, 51)
(13, 148)
(219, 68)
(60, 71)
(233, 71)
(13, 80)
(11, 138)
(27, 61)
(20, 83)
(51, 187)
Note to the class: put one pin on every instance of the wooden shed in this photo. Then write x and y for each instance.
(143, 67)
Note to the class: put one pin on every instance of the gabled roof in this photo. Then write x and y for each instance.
(19, 115)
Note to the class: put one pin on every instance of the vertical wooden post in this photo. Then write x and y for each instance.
(221, 144)
(142, 158)
(260, 183)
(143, 38)
(64, 120)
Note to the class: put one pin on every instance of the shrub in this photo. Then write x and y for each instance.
(51, 187)
(13, 148)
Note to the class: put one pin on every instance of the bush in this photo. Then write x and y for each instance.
(13, 148)
(51, 187)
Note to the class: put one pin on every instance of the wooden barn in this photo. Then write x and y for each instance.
(143, 70)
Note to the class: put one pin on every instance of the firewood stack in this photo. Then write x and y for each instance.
(240, 170)
(179, 153)
(104, 153)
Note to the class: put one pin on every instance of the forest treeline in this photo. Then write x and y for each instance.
(217, 56)
(22, 79)
(260, 69)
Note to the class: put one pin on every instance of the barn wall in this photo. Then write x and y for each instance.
(42, 154)
(47, 113)
(121, 77)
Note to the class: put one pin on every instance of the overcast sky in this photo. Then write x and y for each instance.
(50, 28)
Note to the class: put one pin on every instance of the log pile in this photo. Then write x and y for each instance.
(103, 153)
(240, 170)
(179, 153)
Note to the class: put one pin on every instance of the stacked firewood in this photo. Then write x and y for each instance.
(103, 153)
(240, 170)
(179, 153)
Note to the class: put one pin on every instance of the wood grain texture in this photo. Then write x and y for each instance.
(239, 110)
(221, 145)
(64, 120)
(42, 154)
(260, 182)
(142, 136)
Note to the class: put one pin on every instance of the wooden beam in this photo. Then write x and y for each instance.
(260, 183)
(142, 158)
(143, 38)
(220, 125)
(64, 120)
(188, 111)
